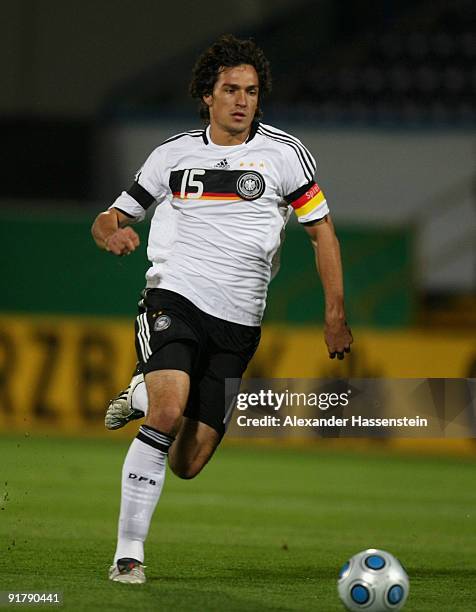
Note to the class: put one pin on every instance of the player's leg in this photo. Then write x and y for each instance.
(208, 413)
(144, 467)
(132, 403)
(193, 447)
(167, 360)
(167, 392)
(196, 441)
(212, 397)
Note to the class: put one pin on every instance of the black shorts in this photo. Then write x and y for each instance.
(172, 333)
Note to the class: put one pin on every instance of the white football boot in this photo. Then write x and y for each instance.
(120, 410)
(129, 571)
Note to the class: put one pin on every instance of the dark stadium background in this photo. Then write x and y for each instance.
(384, 95)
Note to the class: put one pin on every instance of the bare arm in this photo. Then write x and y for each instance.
(337, 334)
(110, 232)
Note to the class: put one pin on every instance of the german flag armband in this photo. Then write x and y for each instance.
(307, 200)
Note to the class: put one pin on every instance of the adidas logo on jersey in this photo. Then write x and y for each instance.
(223, 164)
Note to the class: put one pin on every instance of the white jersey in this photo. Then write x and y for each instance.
(221, 214)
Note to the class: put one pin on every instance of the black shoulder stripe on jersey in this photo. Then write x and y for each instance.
(308, 172)
(140, 195)
(124, 212)
(295, 195)
(192, 133)
(307, 168)
(302, 152)
(297, 142)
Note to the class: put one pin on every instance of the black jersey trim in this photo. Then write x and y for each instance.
(124, 212)
(192, 133)
(296, 141)
(308, 167)
(298, 149)
(254, 128)
(140, 195)
(319, 221)
(251, 135)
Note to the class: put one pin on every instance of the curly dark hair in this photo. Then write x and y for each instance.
(228, 51)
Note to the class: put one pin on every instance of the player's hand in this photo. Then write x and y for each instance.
(338, 338)
(122, 242)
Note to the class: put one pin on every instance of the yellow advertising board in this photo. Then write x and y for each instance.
(301, 352)
(59, 372)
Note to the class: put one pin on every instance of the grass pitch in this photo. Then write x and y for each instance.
(262, 529)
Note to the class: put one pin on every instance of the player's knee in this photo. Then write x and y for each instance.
(164, 418)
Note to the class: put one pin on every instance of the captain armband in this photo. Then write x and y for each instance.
(306, 199)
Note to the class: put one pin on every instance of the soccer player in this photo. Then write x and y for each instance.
(224, 195)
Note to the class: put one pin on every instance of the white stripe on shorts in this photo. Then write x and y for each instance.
(147, 335)
(141, 336)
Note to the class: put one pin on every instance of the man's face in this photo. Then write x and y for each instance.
(234, 99)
